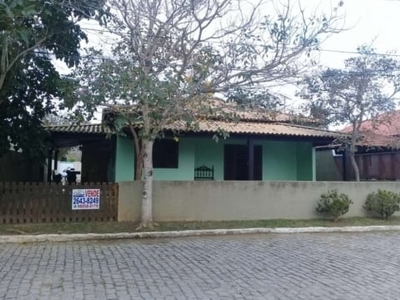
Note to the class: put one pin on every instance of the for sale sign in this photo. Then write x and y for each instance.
(85, 199)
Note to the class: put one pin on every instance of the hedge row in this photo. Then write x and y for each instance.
(384, 203)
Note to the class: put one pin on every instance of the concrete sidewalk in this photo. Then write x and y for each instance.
(185, 233)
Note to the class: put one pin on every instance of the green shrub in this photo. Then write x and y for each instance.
(385, 203)
(334, 204)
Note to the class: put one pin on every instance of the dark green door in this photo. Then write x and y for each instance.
(236, 162)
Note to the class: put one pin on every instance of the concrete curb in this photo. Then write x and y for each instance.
(184, 233)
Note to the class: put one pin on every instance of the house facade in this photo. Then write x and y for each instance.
(256, 149)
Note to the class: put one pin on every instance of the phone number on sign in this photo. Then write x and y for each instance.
(85, 200)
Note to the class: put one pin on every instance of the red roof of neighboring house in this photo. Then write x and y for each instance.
(384, 130)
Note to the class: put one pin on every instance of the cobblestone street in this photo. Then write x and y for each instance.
(292, 266)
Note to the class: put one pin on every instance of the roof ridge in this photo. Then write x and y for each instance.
(97, 128)
(243, 112)
(309, 127)
(67, 125)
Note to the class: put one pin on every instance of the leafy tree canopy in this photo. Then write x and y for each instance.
(32, 34)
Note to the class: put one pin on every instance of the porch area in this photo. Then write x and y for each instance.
(235, 158)
(97, 147)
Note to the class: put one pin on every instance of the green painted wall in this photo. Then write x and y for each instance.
(288, 161)
(211, 153)
(125, 162)
(305, 162)
(314, 164)
(281, 160)
(185, 170)
(124, 159)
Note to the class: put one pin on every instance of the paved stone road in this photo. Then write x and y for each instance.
(303, 266)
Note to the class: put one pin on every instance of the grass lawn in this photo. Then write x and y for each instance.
(115, 227)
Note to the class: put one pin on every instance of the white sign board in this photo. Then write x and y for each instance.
(85, 199)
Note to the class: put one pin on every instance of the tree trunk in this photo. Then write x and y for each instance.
(138, 161)
(353, 149)
(138, 154)
(147, 184)
(138, 167)
(355, 166)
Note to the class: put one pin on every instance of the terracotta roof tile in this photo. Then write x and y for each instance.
(222, 108)
(256, 114)
(384, 131)
(257, 128)
(387, 124)
(87, 128)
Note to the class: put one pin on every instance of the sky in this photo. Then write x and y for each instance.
(369, 21)
(372, 22)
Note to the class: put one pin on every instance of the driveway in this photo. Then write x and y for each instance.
(292, 266)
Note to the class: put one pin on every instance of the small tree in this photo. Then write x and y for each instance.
(173, 55)
(334, 204)
(366, 87)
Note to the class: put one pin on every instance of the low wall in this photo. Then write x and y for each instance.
(240, 200)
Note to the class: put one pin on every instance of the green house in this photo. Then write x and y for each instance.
(259, 147)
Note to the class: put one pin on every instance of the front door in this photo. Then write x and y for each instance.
(236, 162)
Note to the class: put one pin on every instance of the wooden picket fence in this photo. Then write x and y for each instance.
(51, 203)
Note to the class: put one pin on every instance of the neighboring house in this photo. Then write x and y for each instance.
(260, 146)
(378, 154)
